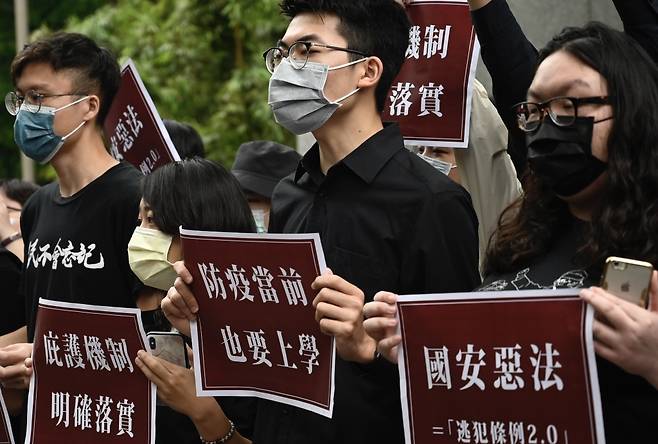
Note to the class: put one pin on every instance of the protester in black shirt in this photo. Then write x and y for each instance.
(76, 230)
(386, 218)
(591, 194)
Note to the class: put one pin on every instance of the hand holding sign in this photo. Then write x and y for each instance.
(180, 305)
(16, 366)
(381, 324)
(339, 311)
(625, 333)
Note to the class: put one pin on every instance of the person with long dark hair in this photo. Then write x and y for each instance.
(592, 192)
(197, 194)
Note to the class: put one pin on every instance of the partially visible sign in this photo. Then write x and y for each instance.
(431, 97)
(85, 386)
(256, 333)
(501, 367)
(133, 126)
(6, 434)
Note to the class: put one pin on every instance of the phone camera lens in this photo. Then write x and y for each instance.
(152, 343)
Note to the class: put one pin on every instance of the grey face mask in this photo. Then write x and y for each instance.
(297, 98)
(439, 164)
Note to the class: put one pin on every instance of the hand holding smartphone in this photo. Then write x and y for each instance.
(628, 279)
(169, 346)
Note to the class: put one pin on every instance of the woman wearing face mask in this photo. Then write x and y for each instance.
(592, 193)
(196, 194)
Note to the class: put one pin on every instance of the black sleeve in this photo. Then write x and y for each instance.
(12, 315)
(441, 253)
(511, 60)
(640, 18)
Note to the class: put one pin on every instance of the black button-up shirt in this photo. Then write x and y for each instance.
(387, 221)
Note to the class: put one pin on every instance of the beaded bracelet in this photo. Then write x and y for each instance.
(224, 439)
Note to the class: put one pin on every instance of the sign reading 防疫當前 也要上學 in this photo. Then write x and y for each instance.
(86, 387)
(515, 367)
(431, 97)
(256, 329)
(134, 128)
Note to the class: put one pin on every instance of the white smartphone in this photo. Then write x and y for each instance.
(169, 346)
(628, 279)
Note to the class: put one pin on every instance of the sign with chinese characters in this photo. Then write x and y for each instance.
(431, 96)
(499, 368)
(133, 126)
(85, 386)
(6, 435)
(256, 331)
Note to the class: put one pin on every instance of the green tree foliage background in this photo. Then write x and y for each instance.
(200, 60)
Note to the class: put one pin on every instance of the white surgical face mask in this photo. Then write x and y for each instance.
(297, 98)
(439, 164)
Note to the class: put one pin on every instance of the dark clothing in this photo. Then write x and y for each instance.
(630, 404)
(511, 59)
(640, 18)
(76, 248)
(12, 315)
(387, 221)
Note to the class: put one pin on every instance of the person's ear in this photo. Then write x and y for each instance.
(93, 104)
(372, 73)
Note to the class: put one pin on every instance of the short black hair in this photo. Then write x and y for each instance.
(185, 138)
(18, 190)
(97, 68)
(374, 27)
(197, 194)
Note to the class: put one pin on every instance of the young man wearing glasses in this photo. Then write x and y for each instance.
(76, 230)
(386, 218)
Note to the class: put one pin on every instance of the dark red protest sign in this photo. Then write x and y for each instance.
(133, 126)
(6, 435)
(500, 367)
(86, 387)
(256, 331)
(431, 96)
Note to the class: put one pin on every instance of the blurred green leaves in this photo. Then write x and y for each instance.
(200, 60)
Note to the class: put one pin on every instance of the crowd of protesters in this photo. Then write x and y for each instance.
(561, 173)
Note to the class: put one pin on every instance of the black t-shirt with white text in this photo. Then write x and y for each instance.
(629, 403)
(76, 248)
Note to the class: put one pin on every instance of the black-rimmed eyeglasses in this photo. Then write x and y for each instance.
(563, 111)
(298, 54)
(32, 99)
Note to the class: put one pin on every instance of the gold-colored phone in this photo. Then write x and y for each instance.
(628, 279)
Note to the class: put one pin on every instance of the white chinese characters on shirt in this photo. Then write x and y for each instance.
(64, 254)
(508, 367)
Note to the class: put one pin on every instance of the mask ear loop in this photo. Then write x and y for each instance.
(345, 65)
(66, 106)
(71, 104)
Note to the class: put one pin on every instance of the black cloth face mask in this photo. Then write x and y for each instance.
(562, 155)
